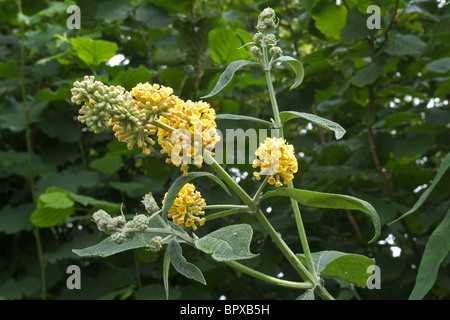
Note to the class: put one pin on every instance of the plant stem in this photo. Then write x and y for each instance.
(228, 180)
(269, 279)
(278, 124)
(225, 206)
(290, 256)
(29, 153)
(222, 214)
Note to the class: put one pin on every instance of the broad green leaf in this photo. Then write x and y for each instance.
(53, 207)
(355, 27)
(368, 74)
(132, 76)
(152, 16)
(224, 46)
(439, 66)
(347, 266)
(180, 264)
(442, 169)
(330, 200)
(107, 247)
(12, 113)
(324, 123)
(402, 45)
(436, 250)
(15, 219)
(228, 243)
(239, 117)
(179, 183)
(93, 52)
(113, 10)
(296, 65)
(330, 20)
(100, 204)
(9, 69)
(308, 295)
(227, 75)
(108, 164)
(61, 126)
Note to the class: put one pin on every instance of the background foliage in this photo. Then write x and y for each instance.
(388, 88)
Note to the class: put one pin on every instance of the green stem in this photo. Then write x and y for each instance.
(260, 190)
(225, 206)
(295, 206)
(29, 153)
(269, 279)
(229, 181)
(290, 256)
(222, 214)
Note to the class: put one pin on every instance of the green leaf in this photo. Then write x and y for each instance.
(402, 45)
(442, 169)
(8, 69)
(100, 204)
(113, 10)
(296, 65)
(108, 165)
(15, 219)
(227, 75)
(436, 250)
(132, 76)
(224, 46)
(53, 207)
(330, 20)
(329, 200)
(439, 66)
(228, 243)
(179, 183)
(180, 264)
(308, 295)
(166, 268)
(152, 16)
(324, 123)
(12, 113)
(355, 27)
(347, 266)
(368, 74)
(239, 117)
(93, 52)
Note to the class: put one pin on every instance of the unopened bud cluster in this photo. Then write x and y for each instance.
(119, 229)
(266, 22)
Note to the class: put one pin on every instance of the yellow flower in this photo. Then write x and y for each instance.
(276, 158)
(154, 99)
(195, 132)
(187, 207)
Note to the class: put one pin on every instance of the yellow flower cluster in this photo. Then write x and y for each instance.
(156, 99)
(195, 131)
(276, 158)
(133, 115)
(187, 207)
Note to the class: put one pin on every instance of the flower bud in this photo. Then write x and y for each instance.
(256, 52)
(155, 244)
(276, 52)
(266, 20)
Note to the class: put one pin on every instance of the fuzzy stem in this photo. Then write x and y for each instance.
(269, 279)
